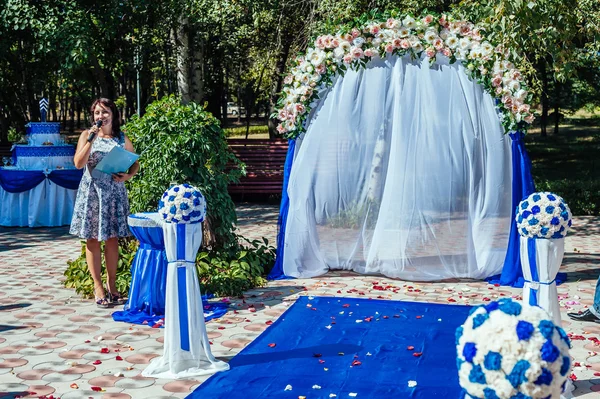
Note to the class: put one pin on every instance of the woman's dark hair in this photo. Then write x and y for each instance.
(116, 117)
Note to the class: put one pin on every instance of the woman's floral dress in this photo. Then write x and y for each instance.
(101, 207)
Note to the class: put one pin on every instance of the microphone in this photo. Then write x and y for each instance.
(93, 133)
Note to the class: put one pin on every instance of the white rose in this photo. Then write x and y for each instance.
(339, 53)
(464, 43)
(409, 22)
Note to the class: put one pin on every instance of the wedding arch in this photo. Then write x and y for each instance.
(406, 155)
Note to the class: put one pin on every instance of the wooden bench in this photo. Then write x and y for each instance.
(264, 161)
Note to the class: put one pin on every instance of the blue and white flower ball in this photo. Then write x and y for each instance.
(507, 351)
(182, 204)
(543, 215)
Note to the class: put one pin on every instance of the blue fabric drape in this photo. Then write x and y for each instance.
(18, 181)
(522, 186)
(68, 178)
(147, 293)
(277, 271)
(146, 303)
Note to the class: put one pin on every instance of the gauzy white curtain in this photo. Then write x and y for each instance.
(404, 170)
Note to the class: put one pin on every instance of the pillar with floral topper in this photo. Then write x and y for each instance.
(543, 220)
(186, 347)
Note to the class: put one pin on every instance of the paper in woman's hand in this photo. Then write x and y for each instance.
(118, 160)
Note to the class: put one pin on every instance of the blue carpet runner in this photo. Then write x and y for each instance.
(329, 347)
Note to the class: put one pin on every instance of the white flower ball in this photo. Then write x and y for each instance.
(543, 215)
(182, 204)
(508, 350)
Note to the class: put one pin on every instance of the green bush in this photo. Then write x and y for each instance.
(583, 196)
(185, 144)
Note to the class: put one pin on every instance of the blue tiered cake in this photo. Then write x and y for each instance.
(46, 149)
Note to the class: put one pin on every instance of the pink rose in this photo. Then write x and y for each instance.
(396, 43)
(300, 109)
(374, 29)
(428, 19)
(391, 23)
(515, 74)
(282, 115)
(335, 42)
(368, 53)
(404, 44)
(321, 69)
(319, 43)
(327, 41)
(442, 21)
(281, 129)
(529, 118)
(430, 52)
(389, 48)
(355, 33)
(524, 108)
(507, 100)
(499, 90)
(347, 58)
(447, 52)
(497, 81)
(465, 29)
(357, 52)
(438, 44)
(288, 79)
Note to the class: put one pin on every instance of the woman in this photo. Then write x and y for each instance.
(102, 207)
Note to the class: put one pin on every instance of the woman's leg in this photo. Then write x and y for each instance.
(94, 261)
(111, 256)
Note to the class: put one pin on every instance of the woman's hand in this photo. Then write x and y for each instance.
(122, 177)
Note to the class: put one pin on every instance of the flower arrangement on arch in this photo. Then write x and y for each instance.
(528, 356)
(543, 215)
(182, 204)
(430, 36)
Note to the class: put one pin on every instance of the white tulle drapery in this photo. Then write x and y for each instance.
(186, 347)
(540, 260)
(404, 170)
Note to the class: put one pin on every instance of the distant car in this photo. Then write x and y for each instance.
(233, 109)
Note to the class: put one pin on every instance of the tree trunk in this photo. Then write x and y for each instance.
(545, 105)
(181, 43)
(197, 70)
(72, 115)
(557, 88)
(100, 76)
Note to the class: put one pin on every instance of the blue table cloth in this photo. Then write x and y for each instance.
(147, 293)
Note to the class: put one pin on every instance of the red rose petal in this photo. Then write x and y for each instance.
(317, 355)
(272, 345)
(221, 328)
(119, 358)
(417, 354)
(104, 350)
(346, 305)
(96, 389)
(97, 362)
(87, 341)
(269, 322)
(410, 347)
(356, 363)
(419, 317)
(321, 361)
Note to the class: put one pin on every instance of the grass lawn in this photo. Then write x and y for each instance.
(568, 164)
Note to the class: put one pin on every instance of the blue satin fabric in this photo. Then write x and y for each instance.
(67, 178)
(146, 302)
(531, 252)
(147, 293)
(298, 346)
(184, 335)
(277, 271)
(522, 186)
(18, 181)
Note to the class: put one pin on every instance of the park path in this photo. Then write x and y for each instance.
(51, 341)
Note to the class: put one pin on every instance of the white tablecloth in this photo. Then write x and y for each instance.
(47, 204)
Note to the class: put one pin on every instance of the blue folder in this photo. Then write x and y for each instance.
(116, 161)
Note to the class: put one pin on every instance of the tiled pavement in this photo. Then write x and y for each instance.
(51, 341)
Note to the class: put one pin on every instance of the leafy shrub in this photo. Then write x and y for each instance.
(241, 131)
(185, 144)
(583, 196)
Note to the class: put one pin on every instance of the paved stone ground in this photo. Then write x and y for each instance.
(51, 341)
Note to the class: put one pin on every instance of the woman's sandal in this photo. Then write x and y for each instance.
(102, 302)
(116, 299)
